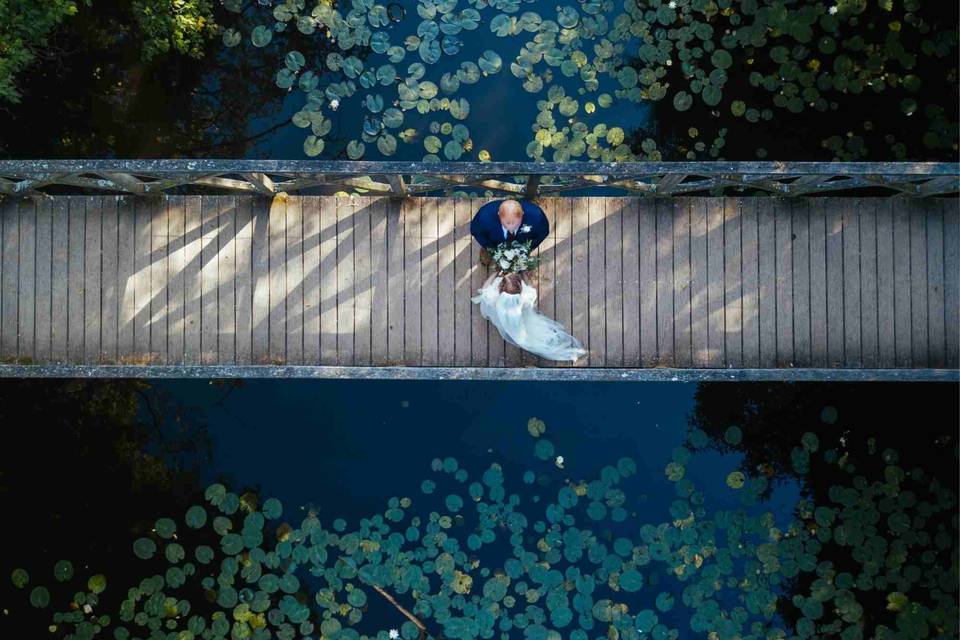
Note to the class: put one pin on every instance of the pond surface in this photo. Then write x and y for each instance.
(509, 80)
(334, 509)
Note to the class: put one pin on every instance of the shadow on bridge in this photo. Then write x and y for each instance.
(683, 282)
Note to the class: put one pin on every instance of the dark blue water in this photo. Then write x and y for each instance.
(345, 441)
(885, 70)
(599, 508)
(501, 110)
(343, 448)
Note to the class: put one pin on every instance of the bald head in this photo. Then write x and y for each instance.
(511, 214)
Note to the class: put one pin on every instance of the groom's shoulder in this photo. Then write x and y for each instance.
(531, 207)
(493, 205)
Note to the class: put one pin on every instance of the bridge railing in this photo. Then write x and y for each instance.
(528, 179)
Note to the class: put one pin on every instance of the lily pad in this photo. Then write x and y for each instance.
(40, 597)
(387, 144)
(313, 146)
(536, 427)
(392, 118)
(567, 17)
(544, 449)
(261, 36)
(490, 62)
(231, 37)
(97, 583)
(63, 570)
(736, 479)
(20, 578)
(452, 150)
(721, 59)
(682, 101)
(733, 435)
(451, 44)
(432, 144)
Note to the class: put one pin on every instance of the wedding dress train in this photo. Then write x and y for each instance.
(516, 317)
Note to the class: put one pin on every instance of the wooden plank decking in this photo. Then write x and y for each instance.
(688, 282)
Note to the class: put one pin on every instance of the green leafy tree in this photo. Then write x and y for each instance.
(24, 28)
(182, 26)
(112, 103)
(158, 27)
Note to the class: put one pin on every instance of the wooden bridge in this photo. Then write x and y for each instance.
(365, 283)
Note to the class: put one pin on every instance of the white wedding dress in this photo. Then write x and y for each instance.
(516, 317)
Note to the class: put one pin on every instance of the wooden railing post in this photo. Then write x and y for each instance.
(532, 189)
(398, 186)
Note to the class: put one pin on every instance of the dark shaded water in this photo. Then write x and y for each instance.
(870, 81)
(671, 510)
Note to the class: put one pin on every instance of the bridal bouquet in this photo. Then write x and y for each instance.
(514, 256)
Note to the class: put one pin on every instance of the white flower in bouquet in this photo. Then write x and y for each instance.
(514, 256)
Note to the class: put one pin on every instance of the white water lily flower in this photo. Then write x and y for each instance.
(833, 10)
(334, 103)
(672, 5)
(394, 634)
(559, 462)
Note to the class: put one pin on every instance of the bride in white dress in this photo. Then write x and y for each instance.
(510, 304)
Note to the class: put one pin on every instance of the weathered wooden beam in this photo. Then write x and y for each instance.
(941, 185)
(227, 183)
(299, 184)
(260, 182)
(170, 182)
(125, 181)
(744, 181)
(6, 186)
(801, 184)
(841, 185)
(669, 182)
(583, 182)
(526, 178)
(365, 183)
(30, 185)
(397, 185)
(493, 185)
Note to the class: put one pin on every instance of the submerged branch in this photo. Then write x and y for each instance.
(412, 618)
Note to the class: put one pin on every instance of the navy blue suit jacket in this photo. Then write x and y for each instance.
(486, 227)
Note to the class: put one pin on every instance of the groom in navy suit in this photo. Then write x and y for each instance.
(504, 220)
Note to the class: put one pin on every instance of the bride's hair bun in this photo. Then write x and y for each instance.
(511, 283)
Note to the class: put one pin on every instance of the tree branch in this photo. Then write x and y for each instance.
(412, 618)
(155, 415)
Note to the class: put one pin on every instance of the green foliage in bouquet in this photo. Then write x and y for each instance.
(514, 256)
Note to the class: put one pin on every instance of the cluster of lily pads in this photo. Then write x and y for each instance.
(587, 54)
(561, 558)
